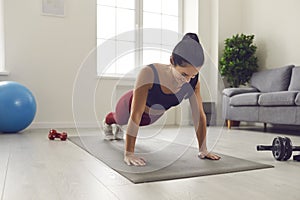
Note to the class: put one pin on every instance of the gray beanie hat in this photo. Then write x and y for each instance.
(191, 51)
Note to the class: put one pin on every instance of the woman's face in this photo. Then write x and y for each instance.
(186, 73)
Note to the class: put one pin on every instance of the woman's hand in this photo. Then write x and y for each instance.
(207, 155)
(131, 159)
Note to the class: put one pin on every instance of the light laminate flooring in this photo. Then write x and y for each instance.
(33, 167)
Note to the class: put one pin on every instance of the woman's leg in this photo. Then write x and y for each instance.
(110, 118)
(122, 113)
(114, 120)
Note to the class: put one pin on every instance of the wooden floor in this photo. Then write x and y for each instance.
(33, 167)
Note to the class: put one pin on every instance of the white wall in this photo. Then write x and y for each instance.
(2, 41)
(191, 16)
(230, 19)
(44, 53)
(209, 33)
(275, 25)
(276, 28)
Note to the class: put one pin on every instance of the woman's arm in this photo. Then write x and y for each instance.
(140, 94)
(199, 119)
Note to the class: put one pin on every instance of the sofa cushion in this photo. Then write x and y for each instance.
(248, 99)
(283, 98)
(295, 82)
(297, 99)
(272, 80)
(234, 91)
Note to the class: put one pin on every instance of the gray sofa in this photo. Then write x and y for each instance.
(273, 97)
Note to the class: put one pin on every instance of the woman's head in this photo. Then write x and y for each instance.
(188, 52)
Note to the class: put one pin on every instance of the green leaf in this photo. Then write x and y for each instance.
(238, 61)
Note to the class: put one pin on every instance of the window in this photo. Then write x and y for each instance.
(115, 17)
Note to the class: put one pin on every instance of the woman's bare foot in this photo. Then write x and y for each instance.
(210, 156)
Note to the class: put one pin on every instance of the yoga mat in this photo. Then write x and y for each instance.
(165, 160)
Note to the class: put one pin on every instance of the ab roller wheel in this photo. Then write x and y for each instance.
(282, 148)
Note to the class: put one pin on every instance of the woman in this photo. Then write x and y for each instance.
(159, 87)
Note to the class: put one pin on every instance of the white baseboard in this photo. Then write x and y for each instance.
(185, 123)
(54, 125)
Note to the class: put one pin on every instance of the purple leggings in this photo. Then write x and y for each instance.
(122, 113)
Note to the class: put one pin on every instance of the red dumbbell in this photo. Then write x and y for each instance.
(54, 134)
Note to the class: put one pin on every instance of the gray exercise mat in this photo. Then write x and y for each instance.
(165, 160)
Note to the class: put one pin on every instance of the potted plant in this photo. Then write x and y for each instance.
(238, 61)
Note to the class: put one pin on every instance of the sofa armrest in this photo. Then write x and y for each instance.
(234, 91)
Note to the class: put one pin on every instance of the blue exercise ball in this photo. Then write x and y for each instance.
(17, 107)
